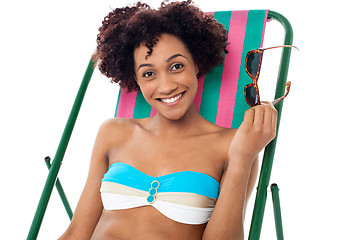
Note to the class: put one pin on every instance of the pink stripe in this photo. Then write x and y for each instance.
(126, 104)
(153, 112)
(264, 27)
(232, 63)
(198, 97)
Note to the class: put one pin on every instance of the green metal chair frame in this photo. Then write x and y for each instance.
(266, 168)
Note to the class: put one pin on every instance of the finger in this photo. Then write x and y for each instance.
(274, 119)
(266, 103)
(268, 115)
(258, 115)
(249, 116)
(271, 112)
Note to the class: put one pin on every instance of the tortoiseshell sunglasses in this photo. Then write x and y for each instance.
(253, 68)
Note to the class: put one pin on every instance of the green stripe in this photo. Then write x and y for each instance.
(212, 80)
(142, 108)
(116, 109)
(253, 36)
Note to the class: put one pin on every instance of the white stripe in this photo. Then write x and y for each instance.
(176, 212)
(182, 213)
(112, 201)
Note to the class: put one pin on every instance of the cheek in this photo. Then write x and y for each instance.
(143, 91)
(195, 85)
(147, 89)
(193, 81)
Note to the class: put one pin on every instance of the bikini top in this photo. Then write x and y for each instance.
(186, 197)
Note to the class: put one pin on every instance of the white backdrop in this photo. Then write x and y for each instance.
(46, 46)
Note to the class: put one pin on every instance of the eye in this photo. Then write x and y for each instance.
(177, 66)
(148, 74)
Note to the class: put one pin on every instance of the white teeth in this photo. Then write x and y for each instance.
(173, 99)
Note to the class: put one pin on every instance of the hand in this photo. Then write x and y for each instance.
(256, 131)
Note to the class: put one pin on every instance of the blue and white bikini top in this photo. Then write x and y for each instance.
(187, 197)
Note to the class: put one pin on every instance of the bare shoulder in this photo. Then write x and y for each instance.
(116, 127)
(221, 138)
(228, 133)
(114, 132)
(225, 135)
(117, 124)
(224, 139)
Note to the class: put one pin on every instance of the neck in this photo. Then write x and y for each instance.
(189, 124)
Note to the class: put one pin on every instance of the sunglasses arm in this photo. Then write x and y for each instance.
(263, 49)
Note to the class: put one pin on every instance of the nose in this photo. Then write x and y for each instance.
(166, 85)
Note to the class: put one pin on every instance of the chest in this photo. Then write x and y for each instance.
(157, 156)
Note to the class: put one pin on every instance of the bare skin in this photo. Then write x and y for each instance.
(176, 139)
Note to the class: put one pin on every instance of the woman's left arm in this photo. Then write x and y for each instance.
(256, 131)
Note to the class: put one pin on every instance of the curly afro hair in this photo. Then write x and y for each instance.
(125, 29)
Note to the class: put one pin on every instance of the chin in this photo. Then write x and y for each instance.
(173, 115)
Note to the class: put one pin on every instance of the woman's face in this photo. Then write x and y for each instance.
(168, 77)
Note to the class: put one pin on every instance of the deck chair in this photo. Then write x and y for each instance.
(220, 99)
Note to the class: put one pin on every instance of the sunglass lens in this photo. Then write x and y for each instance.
(253, 63)
(251, 94)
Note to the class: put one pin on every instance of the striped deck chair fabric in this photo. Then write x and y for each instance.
(220, 97)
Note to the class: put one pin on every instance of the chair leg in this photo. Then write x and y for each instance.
(59, 155)
(61, 192)
(277, 211)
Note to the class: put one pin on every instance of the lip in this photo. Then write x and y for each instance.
(175, 102)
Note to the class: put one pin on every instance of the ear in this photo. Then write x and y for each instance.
(135, 77)
(197, 70)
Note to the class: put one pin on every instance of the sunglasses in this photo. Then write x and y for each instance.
(253, 68)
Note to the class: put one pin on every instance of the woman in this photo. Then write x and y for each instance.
(174, 175)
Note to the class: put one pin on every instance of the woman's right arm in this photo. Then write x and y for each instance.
(90, 207)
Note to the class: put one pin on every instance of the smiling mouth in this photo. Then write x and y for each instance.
(172, 99)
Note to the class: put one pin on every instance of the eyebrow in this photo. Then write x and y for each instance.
(174, 56)
(168, 60)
